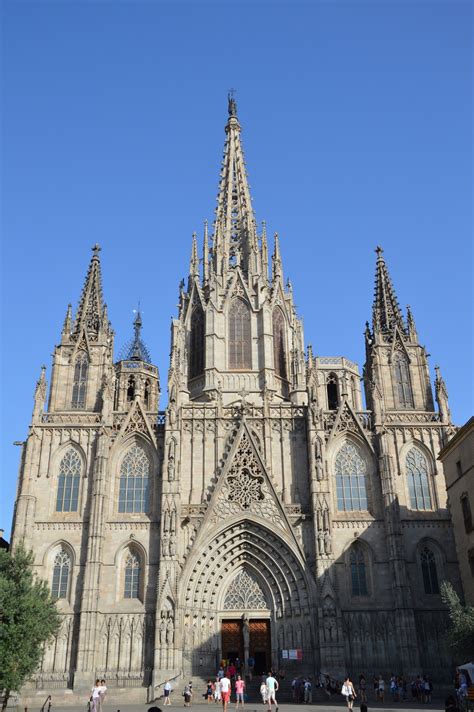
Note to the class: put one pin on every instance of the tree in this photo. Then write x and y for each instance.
(460, 635)
(28, 619)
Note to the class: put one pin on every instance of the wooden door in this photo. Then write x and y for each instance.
(232, 640)
(260, 645)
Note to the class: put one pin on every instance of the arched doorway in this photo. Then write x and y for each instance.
(210, 586)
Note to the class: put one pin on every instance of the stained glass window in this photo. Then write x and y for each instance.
(351, 472)
(134, 472)
(132, 576)
(358, 572)
(418, 482)
(79, 385)
(279, 343)
(61, 570)
(196, 344)
(240, 346)
(68, 482)
(429, 571)
(402, 381)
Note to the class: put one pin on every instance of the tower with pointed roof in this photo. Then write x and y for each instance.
(268, 514)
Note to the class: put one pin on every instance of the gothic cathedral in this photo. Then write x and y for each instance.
(266, 513)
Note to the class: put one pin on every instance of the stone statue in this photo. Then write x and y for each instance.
(321, 542)
(170, 631)
(246, 631)
(327, 542)
(165, 544)
(171, 468)
(162, 630)
(172, 545)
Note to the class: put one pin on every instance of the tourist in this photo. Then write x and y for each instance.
(209, 691)
(231, 670)
(250, 664)
(393, 688)
(308, 691)
(381, 688)
(272, 687)
(239, 692)
(225, 685)
(348, 692)
(102, 694)
(264, 692)
(375, 682)
(293, 689)
(217, 690)
(95, 697)
(220, 672)
(188, 694)
(362, 688)
(167, 692)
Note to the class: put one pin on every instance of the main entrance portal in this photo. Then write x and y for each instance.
(259, 643)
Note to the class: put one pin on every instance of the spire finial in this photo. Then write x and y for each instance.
(379, 251)
(96, 249)
(231, 103)
(194, 263)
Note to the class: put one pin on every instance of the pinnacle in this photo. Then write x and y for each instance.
(89, 311)
(386, 310)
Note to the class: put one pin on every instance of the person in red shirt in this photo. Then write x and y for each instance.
(231, 670)
(239, 692)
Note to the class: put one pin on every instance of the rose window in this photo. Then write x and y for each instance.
(245, 489)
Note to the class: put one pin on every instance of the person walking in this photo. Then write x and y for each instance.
(225, 691)
(381, 688)
(167, 692)
(264, 692)
(95, 697)
(188, 694)
(209, 692)
(217, 690)
(348, 692)
(362, 688)
(239, 692)
(272, 687)
(308, 691)
(102, 694)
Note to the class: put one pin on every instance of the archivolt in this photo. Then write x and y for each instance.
(248, 543)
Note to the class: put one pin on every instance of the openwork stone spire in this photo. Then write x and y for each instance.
(235, 239)
(90, 309)
(386, 313)
(136, 349)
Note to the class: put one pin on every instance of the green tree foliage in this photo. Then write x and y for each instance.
(28, 619)
(460, 636)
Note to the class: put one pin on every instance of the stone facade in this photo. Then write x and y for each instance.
(265, 510)
(458, 463)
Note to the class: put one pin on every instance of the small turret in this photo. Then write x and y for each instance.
(194, 262)
(442, 397)
(277, 270)
(40, 396)
(135, 375)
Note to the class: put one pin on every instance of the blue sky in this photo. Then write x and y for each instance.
(357, 131)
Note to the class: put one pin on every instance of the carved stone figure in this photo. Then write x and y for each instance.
(170, 631)
(327, 542)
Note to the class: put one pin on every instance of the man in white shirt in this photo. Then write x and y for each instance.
(272, 687)
(225, 691)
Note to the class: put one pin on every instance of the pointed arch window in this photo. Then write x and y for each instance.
(279, 355)
(240, 345)
(418, 480)
(332, 388)
(61, 572)
(358, 572)
(79, 386)
(131, 389)
(196, 343)
(146, 394)
(351, 471)
(69, 479)
(401, 375)
(132, 575)
(134, 474)
(429, 571)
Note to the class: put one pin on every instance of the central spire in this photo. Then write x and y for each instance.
(235, 242)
